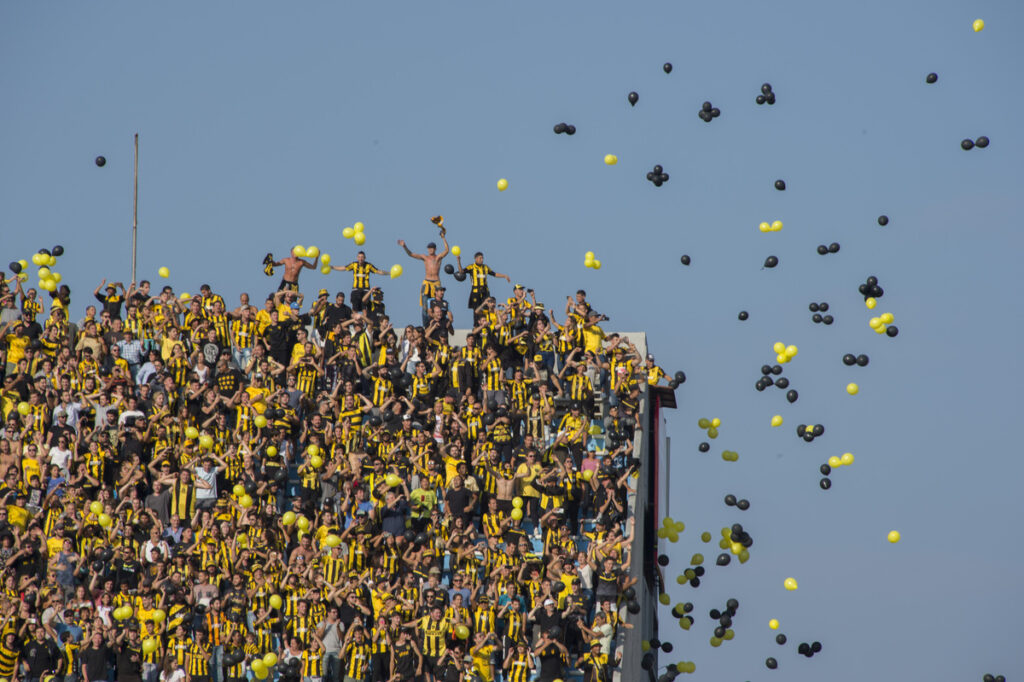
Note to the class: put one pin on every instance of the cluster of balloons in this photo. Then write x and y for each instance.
(766, 96)
(834, 462)
(784, 353)
(710, 425)
(860, 360)
(261, 667)
(670, 530)
(590, 261)
(831, 248)
(565, 128)
(737, 541)
(990, 678)
(44, 259)
(356, 233)
(817, 309)
(658, 176)
(123, 612)
(678, 378)
(765, 380)
(708, 112)
(881, 324)
(741, 504)
(968, 143)
(730, 456)
(774, 226)
(810, 432)
(870, 289)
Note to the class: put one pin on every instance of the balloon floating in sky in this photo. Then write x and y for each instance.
(657, 175)
(931, 78)
(978, 25)
(852, 389)
(611, 159)
(777, 420)
(771, 663)
(967, 144)
(708, 112)
(981, 142)
(684, 259)
(502, 185)
(780, 185)
(773, 624)
(667, 67)
(893, 536)
(771, 261)
(883, 220)
(633, 98)
(766, 96)
(164, 272)
(743, 315)
(101, 161)
(566, 128)
(790, 584)
(825, 483)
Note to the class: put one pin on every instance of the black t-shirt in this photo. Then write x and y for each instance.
(40, 657)
(129, 663)
(336, 314)
(548, 623)
(550, 663)
(95, 661)
(210, 351)
(457, 501)
(229, 381)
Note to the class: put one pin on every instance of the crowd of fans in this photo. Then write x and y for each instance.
(302, 491)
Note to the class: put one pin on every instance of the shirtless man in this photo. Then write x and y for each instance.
(292, 267)
(431, 267)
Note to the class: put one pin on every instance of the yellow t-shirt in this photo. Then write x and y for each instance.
(525, 487)
(29, 468)
(482, 662)
(592, 338)
(17, 516)
(16, 346)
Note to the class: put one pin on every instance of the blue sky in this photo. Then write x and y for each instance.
(265, 124)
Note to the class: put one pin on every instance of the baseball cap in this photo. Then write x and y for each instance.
(549, 602)
(431, 245)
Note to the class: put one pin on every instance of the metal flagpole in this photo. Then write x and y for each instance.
(135, 208)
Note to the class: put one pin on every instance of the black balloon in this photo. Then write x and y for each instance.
(743, 505)
(822, 249)
(698, 571)
(967, 144)
(663, 560)
(687, 607)
(988, 678)
(872, 280)
(816, 318)
(15, 267)
(650, 176)
(825, 469)
(719, 632)
(714, 614)
(704, 116)
(723, 559)
(771, 261)
(666, 647)
(633, 98)
(629, 593)
(981, 142)
(771, 663)
(803, 648)
(828, 319)
(833, 247)
(634, 607)
(706, 107)
(460, 276)
(863, 360)
(766, 88)
(101, 161)
(695, 582)
(777, 370)
(792, 395)
(716, 112)
(667, 67)
(815, 647)
(744, 315)
(849, 360)
(570, 129)
(449, 269)
(770, 99)
(673, 384)
(782, 382)
(813, 307)
(877, 291)
(663, 177)
(780, 185)
(766, 369)
(819, 430)
(704, 447)
(931, 78)
(560, 128)
(780, 638)
(823, 307)
(658, 169)
(732, 605)
(892, 330)
(759, 99)
(730, 500)
(58, 251)
(883, 220)
(825, 483)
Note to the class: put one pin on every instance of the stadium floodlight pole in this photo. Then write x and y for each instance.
(135, 207)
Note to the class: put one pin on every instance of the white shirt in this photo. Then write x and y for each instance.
(60, 458)
(211, 478)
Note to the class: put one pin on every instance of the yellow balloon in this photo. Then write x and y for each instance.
(517, 502)
(191, 432)
(852, 389)
(44, 273)
(312, 252)
(270, 659)
(56, 277)
(396, 271)
(303, 523)
(461, 631)
(299, 251)
(597, 265)
(325, 258)
(105, 520)
(358, 228)
(149, 645)
(238, 490)
(258, 666)
(611, 159)
(313, 450)
(359, 238)
(790, 584)
(870, 303)
(316, 461)
(502, 185)
(834, 461)
(894, 536)
(37, 259)
(779, 347)
(978, 25)
(47, 285)
(776, 226)
(791, 351)
(847, 458)
(589, 255)
(332, 540)
(347, 232)
(159, 615)
(185, 296)
(777, 420)
(588, 263)
(716, 422)
(588, 474)
(887, 318)
(22, 263)
(456, 251)
(96, 507)
(271, 451)
(735, 547)
(773, 624)
(288, 518)
(246, 501)
(516, 514)
(875, 322)
(260, 421)
(880, 329)
(275, 601)
(764, 227)
(51, 260)
(205, 442)
(663, 597)
(325, 269)
(393, 480)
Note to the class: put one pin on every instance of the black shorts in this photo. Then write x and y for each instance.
(356, 302)
(285, 285)
(477, 296)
